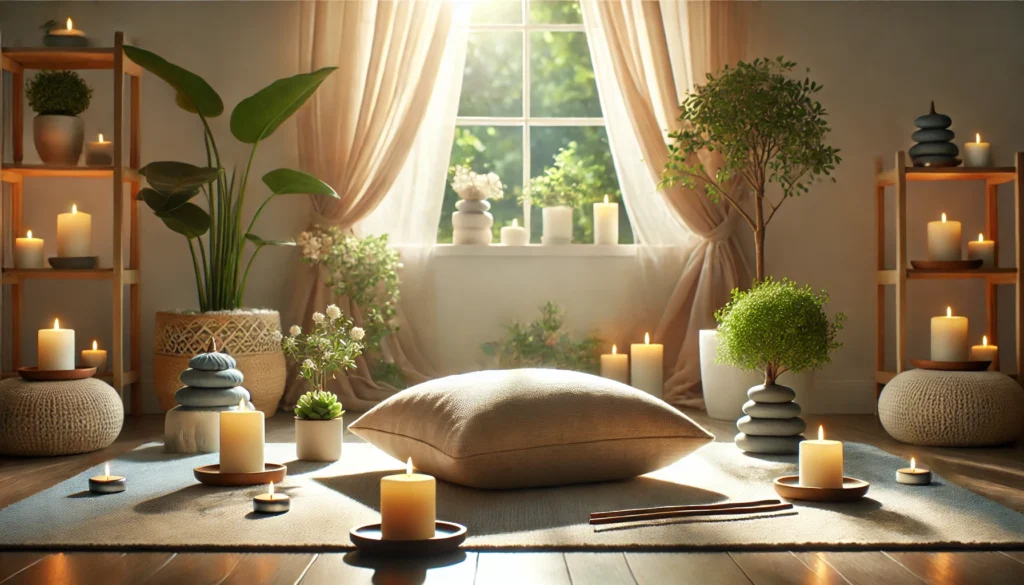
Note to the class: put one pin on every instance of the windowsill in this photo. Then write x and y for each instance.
(537, 250)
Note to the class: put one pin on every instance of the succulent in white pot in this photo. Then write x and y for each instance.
(319, 427)
(57, 131)
(561, 189)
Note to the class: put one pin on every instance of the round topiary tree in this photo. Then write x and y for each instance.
(58, 93)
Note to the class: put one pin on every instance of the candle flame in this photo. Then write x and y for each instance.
(106, 470)
(69, 23)
(271, 490)
(977, 137)
(606, 199)
(913, 464)
(56, 324)
(647, 338)
(241, 404)
(980, 238)
(984, 339)
(29, 234)
(101, 137)
(943, 218)
(94, 346)
(515, 222)
(949, 311)
(615, 350)
(821, 432)
(74, 208)
(408, 467)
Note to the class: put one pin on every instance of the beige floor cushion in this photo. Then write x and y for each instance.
(528, 428)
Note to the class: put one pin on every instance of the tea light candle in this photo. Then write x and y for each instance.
(68, 36)
(99, 153)
(984, 250)
(913, 475)
(821, 462)
(56, 348)
(514, 235)
(106, 483)
(95, 358)
(408, 505)
(985, 352)
(949, 338)
(271, 503)
(615, 366)
(944, 240)
(646, 369)
(74, 234)
(606, 223)
(977, 153)
(241, 440)
(28, 252)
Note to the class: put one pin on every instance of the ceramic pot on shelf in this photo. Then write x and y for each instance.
(319, 440)
(557, 225)
(58, 139)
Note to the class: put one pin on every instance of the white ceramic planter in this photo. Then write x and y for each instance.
(557, 225)
(58, 139)
(319, 440)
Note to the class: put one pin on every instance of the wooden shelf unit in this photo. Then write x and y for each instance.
(125, 361)
(898, 177)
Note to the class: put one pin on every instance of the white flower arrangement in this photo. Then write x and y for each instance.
(476, 186)
(333, 345)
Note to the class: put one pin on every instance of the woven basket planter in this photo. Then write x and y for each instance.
(249, 336)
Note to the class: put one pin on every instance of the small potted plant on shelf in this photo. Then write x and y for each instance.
(561, 189)
(58, 97)
(472, 222)
(332, 346)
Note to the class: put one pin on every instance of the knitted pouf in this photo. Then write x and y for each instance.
(952, 409)
(58, 418)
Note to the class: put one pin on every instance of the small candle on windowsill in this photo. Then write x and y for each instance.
(106, 483)
(944, 240)
(56, 348)
(95, 358)
(984, 250)
(606, 223)
(977, 153)
(408, 505)
(28, 252)
(271, 503)
(99, 153)
(513, 235)
(985, 353)
(821, 462)
(615, 366)
(913, 475)
(949, 338)
(646, 370)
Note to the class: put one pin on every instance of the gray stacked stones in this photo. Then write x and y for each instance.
(471, 224)
(772, 424)
(212, 384)
(934, 140)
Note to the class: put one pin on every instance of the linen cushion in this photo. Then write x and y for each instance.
(528, 428)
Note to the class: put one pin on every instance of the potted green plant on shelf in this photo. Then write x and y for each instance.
(331, 347)
(543, 343)
(58, 97)
(217, 237)
(563, 187)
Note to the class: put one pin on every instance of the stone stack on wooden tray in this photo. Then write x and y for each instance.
(772, 424)
(212, 384)
(934, 140)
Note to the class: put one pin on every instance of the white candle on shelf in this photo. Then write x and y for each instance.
(68, 36)
(646, 371)
(68, 31)
(615, 366)
(74, 234)
(241, 440)
(606, 223)
(99, 153)
(408, 505)
(28, 252)
(944, 240)
(949, 338)
(514, 235)
(977, 153)
(821, 462)
(984, 250)
(95, 358)
(56, 348)
(985, 353)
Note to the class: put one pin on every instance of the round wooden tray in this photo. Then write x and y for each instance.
(211, 475)
(946, 265)
(447, 537)
(789, 487)
(975, 366)
(36, 375)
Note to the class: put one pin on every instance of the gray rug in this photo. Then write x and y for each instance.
(165, 507)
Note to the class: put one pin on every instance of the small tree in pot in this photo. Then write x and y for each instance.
(58, 97)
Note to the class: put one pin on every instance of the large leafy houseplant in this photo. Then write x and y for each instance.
(766, 127)
(217, 239)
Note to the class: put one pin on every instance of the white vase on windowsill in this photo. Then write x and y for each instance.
(557, 225)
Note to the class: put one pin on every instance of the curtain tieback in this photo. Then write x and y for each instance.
(724, 230)
(315, 218)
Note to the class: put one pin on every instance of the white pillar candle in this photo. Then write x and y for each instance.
(646, 371)
(606, 223)
(821, 462)
(74, 234)
(977, 153)
(56, 348)
(985, 353)
(615, 366)
(514, 235)
(28, 252)
(943, 240)
(984, 250)
(95, 358)
(408, 505)
(949, 338)
(241, 440)
(99, 153)
(557, 225)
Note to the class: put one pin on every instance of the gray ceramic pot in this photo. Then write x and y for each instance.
(59, 139)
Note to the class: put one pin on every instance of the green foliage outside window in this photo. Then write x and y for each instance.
(543, 344)
(573, 180)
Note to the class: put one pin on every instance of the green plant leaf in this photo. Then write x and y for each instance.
(258, 116)
(260, 242)
(170, 177)
(292, 182)
(153, 198)
(189, 220)
(194, 94)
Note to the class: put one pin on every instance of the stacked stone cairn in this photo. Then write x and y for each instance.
(772, 424)
(212, 384)
(934, 140)
(471, 224)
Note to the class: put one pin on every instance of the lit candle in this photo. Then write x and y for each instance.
(606, 223)
(615, 366)
(513, 235)
(99, 153)
(646, 369)
(985, 353)
(28, 252)
(943, 240)
(106, 483)
(821, 462)
(408, 505)
(56, 348)
(271, 503)
(241, 440)
(68, 36)
(984, 250)
(95, 358)
(74, 234)
(914, 475)
(949, 338)
(977, 153)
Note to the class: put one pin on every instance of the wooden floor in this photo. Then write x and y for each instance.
(994, 473)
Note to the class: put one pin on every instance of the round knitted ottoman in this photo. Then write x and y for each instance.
(952, 409)
(58, 418)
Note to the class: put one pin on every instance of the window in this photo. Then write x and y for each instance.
(528, 91)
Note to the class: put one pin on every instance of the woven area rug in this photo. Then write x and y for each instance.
(165, 508)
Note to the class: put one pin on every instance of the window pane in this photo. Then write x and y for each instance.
(486, 149)
(594, 169)
(561, 76)
(497, 12)
(493, 80)
(555, 12)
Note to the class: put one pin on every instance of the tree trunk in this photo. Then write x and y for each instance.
(759, 234)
